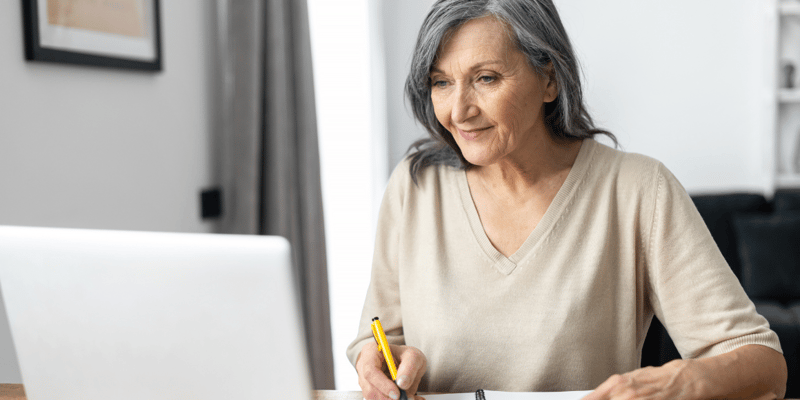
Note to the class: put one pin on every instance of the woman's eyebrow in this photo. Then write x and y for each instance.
(479, 65)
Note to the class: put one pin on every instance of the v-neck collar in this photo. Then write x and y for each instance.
(557, 207)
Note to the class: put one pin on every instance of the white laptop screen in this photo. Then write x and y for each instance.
(133, 315)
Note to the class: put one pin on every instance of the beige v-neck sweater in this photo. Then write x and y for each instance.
(620, 242)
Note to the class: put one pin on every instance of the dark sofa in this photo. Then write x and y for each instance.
(760, 239)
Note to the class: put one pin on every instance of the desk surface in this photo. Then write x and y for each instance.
(17, 392)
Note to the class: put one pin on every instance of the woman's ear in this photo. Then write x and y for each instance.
(551, 84)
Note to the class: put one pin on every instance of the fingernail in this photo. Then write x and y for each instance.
(394, 395)
(402, 381)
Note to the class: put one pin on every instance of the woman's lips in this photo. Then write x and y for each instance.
(470, 135)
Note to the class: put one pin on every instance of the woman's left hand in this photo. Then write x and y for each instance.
(673, 380)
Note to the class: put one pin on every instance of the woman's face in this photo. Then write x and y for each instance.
(487, 95)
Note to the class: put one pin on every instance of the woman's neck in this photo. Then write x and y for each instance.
(544, 164)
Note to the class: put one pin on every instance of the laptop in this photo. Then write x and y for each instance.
(142, 315)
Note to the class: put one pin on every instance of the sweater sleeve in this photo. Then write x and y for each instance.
(693, 291)
(383, 294)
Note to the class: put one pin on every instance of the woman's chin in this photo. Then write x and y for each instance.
(481, 160)
(480, 154)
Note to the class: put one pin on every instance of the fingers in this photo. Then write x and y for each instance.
(375, 385)
(666, 382)
(625, 386)
(604, 390)
(412, 365)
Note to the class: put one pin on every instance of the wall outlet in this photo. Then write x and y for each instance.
(211, 203)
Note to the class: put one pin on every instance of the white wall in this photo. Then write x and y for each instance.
(683, 81)
(399, 25)
(88, 147)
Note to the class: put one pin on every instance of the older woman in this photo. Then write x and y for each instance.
(516, 253)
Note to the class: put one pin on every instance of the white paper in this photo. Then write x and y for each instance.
(495, 395)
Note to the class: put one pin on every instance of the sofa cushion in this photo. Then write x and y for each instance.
(786, 200)
(778, 315)
(717, 211)
(770, 254)
(784, 320)
(795, 308)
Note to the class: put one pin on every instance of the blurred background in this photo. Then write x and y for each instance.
(691, 83)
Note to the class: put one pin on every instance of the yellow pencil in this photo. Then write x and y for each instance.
(383, 347)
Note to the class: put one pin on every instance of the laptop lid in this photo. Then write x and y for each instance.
(141, 315)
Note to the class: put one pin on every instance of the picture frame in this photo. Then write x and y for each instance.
(109, 33)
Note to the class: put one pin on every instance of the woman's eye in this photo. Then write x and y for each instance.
(487, 79)
(439, 84)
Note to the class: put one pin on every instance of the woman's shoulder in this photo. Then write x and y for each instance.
(427, 177)
(626, 166)
(433, 182)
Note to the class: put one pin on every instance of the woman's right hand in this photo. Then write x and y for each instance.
(377, 385)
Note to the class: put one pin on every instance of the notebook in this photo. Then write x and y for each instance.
(141, 315)
(499, 395)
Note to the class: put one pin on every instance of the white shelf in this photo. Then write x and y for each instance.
(784, 140)
(788, 180)
(789, 95)
(790, 8)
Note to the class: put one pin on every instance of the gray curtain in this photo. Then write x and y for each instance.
(267, 149)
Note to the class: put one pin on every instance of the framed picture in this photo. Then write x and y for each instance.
(107, 33)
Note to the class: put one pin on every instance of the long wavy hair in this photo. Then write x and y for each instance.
(537, 31)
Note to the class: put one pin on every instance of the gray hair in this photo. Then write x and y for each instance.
(536, 29)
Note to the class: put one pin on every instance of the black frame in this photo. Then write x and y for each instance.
(35, 52)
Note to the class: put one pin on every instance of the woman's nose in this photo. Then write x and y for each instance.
(464, 106)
